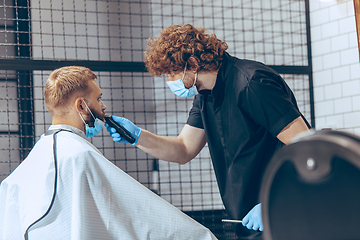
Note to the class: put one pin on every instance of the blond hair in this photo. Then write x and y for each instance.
(63, 83)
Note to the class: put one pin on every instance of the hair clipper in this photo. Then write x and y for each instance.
(120, 129)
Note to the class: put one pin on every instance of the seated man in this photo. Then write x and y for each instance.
(66, 189)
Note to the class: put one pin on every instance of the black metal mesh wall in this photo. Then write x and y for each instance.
(37, 36)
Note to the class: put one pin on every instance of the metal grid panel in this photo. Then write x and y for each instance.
(273, 32)
(89, 30)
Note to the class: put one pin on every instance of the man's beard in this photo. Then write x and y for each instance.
(100, 116)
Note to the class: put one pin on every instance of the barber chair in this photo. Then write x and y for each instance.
(311, 189)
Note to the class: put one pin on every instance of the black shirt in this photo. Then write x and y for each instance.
(248, 107)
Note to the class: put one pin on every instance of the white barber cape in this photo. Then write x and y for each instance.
(82, 195)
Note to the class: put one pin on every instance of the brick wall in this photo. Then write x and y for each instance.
(336, 65)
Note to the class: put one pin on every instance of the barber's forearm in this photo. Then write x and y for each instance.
(292, 129)
(166, 148)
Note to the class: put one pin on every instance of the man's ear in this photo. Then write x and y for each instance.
(194, 64)
(79, 105)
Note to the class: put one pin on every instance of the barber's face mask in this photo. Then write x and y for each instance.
(98, 125)
(178, 87)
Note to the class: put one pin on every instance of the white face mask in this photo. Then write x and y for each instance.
(178, 87)
(98, 125)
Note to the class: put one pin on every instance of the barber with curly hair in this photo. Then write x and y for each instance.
(243, 109)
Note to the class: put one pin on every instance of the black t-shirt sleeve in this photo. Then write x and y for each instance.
(269, 102)
(195, 119)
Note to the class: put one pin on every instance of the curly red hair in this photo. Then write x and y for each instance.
(177, 43)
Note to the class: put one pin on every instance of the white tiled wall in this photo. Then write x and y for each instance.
(336, 66)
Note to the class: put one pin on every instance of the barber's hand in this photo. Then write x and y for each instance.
(132, 128)
(252, 220)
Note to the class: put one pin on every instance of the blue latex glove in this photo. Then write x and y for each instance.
(132, 128)
(253, 220)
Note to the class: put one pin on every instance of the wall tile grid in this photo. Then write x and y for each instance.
(336, 68)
